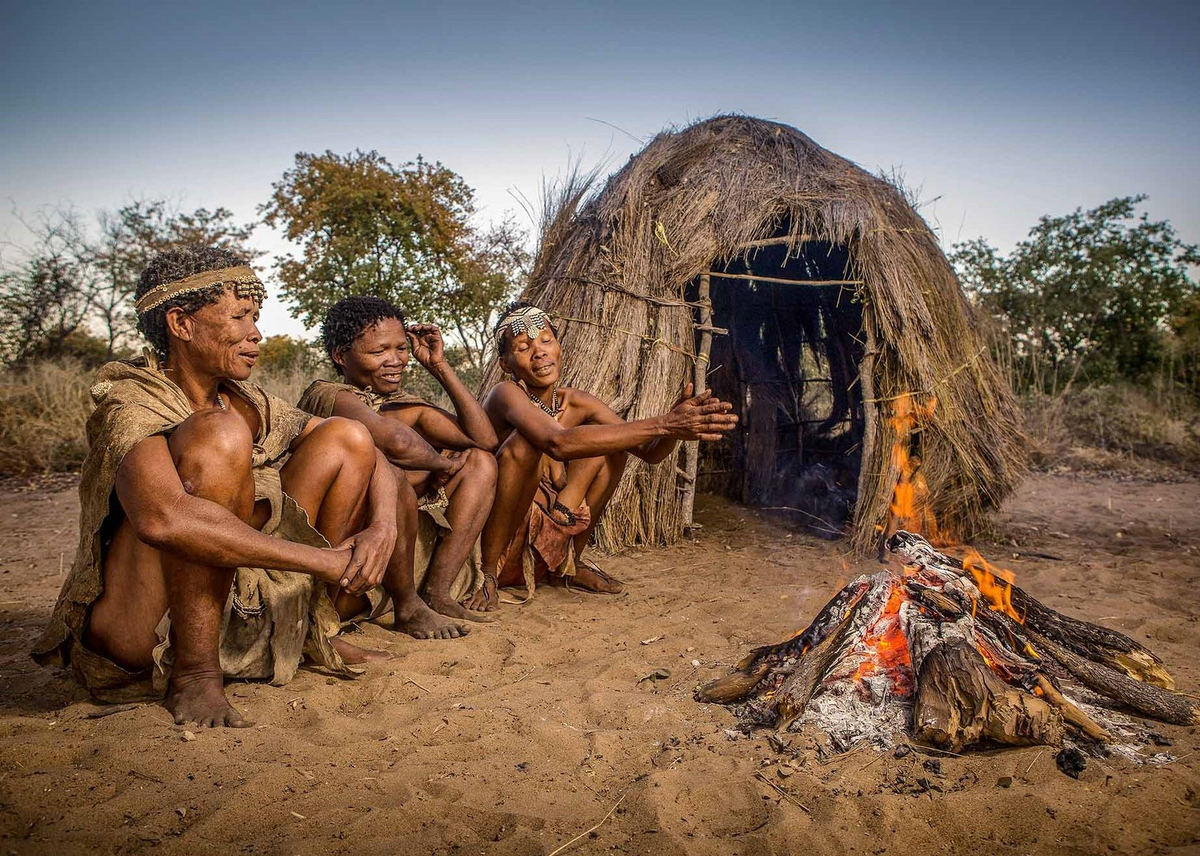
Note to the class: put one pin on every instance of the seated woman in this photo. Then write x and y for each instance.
(446, 457)
(196, 559)
(561, 457)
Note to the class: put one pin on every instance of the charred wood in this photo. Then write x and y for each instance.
(1090, 641)
(1146, 699)
(960, 701)
(772, 659)
(797, 691)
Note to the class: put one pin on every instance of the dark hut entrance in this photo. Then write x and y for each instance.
(785, 349)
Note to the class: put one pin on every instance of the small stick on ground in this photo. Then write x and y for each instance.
(588, 832)
(1034, 761)
(415, 684)
(778, 790)
(99, 713)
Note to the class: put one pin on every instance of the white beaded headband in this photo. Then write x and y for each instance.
(529, 320)
(242, 277)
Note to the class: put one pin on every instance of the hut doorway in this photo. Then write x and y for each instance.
(786, 351)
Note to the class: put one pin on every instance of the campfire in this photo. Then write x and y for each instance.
(950, 651)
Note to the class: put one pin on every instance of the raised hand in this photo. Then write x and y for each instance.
(699, 417)
(426, 342)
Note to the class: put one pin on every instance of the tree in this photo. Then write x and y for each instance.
(46, 296)
(283, 353)
(74, 278)
(133, 234)
(403, 233)
(1092, 291)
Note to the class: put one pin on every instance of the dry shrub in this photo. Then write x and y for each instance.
(42, 413)
(1113, 427)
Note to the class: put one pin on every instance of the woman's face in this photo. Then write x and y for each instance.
(377, 358)
(224, 337)
(536, 360)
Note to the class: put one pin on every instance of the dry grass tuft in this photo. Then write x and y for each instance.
(1116, 427)
(42, 412)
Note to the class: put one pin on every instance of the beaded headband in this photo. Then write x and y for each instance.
(526, 319)
(242, 277)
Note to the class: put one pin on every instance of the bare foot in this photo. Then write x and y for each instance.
(355, 656)
(487, 599)
(421, 622)
(591, 578)
(200, 698)
(453, 609)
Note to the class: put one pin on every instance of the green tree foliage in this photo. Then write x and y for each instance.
(1092, 292)
(403, 233)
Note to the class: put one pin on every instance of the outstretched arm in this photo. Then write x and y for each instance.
(655, 451)
(168, 518)
(429, 351)
(694, 418)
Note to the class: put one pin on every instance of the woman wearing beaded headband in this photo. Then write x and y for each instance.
(195, 481)
(561, 457)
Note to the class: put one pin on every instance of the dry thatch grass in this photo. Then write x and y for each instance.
(614, 268)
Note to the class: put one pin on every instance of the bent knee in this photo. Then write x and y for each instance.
(350, 436)
(481, 465)
(216, 436)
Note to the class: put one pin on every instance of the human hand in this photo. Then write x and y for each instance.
(454, 463)
(370, 551)
(427, 346)
(699, 417)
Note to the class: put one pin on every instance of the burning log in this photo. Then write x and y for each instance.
(1144, 698)
(780, 660)
(960, 701)
(797, 689)
(1090, 641)
(964, 654)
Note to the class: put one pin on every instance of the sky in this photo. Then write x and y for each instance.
(998, 113)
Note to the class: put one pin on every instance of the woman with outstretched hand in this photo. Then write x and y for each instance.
(562, 453)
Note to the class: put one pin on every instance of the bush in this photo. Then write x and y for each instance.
(43, 408)
(1113, 426)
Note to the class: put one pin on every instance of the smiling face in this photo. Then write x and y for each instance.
(537, 361)
(221, 339)
(377, 357)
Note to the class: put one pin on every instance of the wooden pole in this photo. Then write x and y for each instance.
(775, 279)
(866, 459)
(776, 242)
(691, 451)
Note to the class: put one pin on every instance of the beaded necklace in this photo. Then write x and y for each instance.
(552, 410)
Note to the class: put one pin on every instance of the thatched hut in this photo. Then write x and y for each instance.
(824, 298)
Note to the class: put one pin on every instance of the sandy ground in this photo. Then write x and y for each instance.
(528, 733)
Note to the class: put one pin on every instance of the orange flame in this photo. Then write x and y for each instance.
(886, 646)
(910, 507)
(995, 584)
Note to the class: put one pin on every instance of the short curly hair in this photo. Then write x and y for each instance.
(175, 264)
(504, 339)
(349, 317)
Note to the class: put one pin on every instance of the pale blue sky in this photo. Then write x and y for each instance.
(1004, 112)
